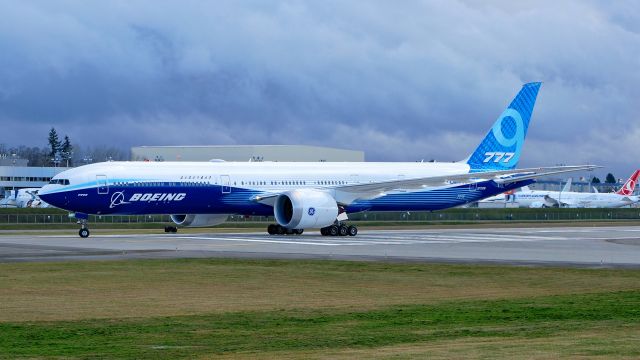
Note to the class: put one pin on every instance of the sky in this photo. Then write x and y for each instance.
(401, 80)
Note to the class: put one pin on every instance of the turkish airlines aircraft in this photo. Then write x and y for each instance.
(565, 198)
(301, 195)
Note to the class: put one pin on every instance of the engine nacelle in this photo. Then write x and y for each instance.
(199, 220)
(306, 208)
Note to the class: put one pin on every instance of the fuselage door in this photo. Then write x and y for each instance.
(103, 185)
(226, 184)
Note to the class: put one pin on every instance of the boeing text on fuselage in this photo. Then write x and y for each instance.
(118, 198)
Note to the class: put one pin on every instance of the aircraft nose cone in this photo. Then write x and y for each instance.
(56, 199)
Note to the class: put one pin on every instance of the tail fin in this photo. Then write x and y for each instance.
(500, 149)
(567, 186)
(630, 185)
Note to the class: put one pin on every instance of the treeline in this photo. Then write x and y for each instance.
(63, 152)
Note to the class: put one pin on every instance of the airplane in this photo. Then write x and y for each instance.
(524, 200)
(571, 199)
(9, 199)
(28, 197)
(301, 195)
(23, 198)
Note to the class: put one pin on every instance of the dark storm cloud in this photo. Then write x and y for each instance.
(400, 80)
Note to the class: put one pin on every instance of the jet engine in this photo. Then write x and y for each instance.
(199, 220)
(305, 208)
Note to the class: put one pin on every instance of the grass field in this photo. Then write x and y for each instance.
(315, 309)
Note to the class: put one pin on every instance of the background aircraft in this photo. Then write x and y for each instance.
(526, 197)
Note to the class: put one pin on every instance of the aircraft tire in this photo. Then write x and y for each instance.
(333, 230)
(272, 229)
(352, 230)
(343, 230)
(84, 233)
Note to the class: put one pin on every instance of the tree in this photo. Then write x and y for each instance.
(595, 180)
(610, 179)
(66, 150)
(35, 156)
(54, 143)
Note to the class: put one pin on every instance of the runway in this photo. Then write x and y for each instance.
(563, 246)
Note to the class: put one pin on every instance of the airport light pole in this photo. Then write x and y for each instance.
(56, 160)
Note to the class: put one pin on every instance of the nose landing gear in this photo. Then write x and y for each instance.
(82, 221)
(84, 230)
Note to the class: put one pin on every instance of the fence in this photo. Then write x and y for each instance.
(17, 216)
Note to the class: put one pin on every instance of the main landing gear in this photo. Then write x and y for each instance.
(170, 229)
(276, 229)
(339, 229)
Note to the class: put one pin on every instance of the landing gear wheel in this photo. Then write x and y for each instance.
(170, 229)
(272, 229)
(281, 230)
(352, 230)
(324, 231)
(174, 229)
(84, 230)
(343, 230)
(298, 231)
(333, 230)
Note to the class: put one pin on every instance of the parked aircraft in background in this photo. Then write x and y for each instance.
(9, 199)
(302, 195)
(566, 198)
(23, 198)
(510, 197)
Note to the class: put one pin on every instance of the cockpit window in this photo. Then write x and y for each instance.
(59, 181)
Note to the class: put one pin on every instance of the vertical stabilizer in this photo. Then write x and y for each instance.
(629, 186)
(567, 186)
(501, 148)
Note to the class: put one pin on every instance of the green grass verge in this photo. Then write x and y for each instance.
(201, 308)
(278, 331)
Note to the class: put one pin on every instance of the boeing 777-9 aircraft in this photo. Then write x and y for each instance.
(301, 195)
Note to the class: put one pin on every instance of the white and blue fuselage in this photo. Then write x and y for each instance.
(232, 187)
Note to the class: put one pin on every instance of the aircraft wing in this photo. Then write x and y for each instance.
(552, 202)
(348, 193)
(500, 177)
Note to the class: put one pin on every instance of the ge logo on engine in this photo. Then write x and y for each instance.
(311, 211)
